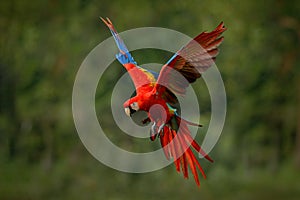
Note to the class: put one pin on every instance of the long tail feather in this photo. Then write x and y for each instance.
(188, 122)
(189, 138)
(179, 152)
(192, 166)
(178, 145)
(164, 140)
(197, 147)
(173, 152)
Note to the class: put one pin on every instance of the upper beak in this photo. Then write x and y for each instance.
(127, 111)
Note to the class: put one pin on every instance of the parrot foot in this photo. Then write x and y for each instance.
(152, 132)
(153, 128)
(161, 127)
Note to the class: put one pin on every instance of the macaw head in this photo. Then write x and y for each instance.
(131, 106)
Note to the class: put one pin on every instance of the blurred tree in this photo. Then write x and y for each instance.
(42, 44)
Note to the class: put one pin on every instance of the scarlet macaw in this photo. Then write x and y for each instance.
(156, 94)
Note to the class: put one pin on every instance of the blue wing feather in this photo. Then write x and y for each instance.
(124, 55)
(119, 41)
(125, 58)
(172, 58)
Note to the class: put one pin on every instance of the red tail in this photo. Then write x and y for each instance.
(177, 146)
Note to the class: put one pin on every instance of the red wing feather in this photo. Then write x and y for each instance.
(190, 62)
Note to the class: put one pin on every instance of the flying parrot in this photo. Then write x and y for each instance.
(156, 95)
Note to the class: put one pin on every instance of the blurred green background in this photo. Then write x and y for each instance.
(43, 43)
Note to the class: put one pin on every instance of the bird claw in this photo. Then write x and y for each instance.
(152, 132)
(153, 128)
(156, 130)
(160, 128)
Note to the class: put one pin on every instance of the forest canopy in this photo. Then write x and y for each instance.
(42, 45)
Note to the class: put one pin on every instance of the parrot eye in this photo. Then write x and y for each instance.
(135, 106)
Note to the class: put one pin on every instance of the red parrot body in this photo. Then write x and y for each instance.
(157, 95)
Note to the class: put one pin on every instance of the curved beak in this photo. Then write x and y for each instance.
(129, 111)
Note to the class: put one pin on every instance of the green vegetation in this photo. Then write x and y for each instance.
(43, 43)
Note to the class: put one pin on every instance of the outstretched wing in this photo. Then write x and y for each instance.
(189, 63)
(184, 68)
(144, 80)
